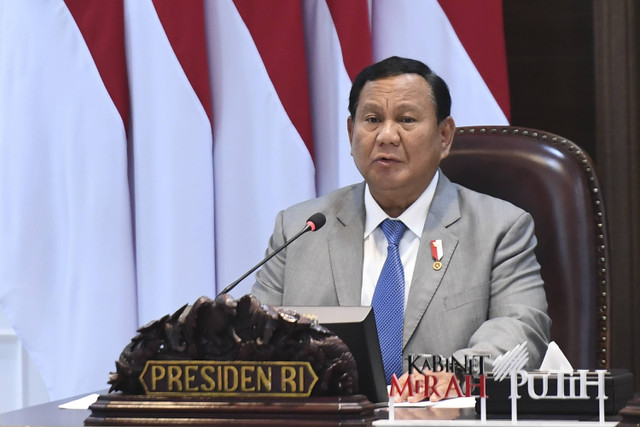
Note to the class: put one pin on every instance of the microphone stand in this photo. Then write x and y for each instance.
(276, 252)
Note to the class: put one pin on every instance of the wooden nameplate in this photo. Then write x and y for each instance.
(118, 409)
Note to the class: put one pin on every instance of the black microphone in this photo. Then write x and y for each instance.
(314, 223)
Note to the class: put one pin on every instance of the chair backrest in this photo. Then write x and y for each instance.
(553, 179)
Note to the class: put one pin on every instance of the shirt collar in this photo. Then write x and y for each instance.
(413, 217)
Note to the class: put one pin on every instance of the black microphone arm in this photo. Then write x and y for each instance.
(314, 223)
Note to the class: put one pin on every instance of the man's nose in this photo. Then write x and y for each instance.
(388, 133)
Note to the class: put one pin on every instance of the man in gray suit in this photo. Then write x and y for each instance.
(471, 280)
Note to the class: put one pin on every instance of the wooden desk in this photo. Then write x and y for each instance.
(49, 414)
(46, 414)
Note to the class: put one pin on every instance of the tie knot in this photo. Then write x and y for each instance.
(393, 230)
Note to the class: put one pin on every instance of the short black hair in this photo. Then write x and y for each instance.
(395, 66)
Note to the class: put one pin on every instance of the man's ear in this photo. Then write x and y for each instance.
(350, 131)
(447, 129)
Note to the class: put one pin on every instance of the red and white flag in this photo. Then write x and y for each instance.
(171, 154)
(338, 47)
(423, 30)
(262, 151)
(67, 270)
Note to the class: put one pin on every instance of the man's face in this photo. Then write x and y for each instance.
(395, 140)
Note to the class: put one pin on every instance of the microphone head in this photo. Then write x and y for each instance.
(316, 221)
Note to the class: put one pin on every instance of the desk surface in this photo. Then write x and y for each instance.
(48, 414)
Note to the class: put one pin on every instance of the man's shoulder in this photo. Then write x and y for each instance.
(485, 204)
(473, 195)
(328, 204)
(485, 217)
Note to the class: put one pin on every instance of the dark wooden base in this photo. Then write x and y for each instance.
(139, 410)
(631, 413)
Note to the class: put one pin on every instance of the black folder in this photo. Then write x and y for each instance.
(357, 328)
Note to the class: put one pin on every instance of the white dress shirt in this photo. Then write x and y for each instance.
(375, 242)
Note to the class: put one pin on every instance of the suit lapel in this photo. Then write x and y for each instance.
(443, 212)
(346, 248)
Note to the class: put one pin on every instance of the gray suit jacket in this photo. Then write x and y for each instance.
(487, 297)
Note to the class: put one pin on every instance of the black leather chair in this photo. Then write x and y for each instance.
(555, 180)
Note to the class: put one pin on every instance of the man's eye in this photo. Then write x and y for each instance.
(407, 120)
(372, 120)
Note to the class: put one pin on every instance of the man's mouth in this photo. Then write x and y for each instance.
(384, 160)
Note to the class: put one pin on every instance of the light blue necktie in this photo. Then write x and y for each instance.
(388, 301)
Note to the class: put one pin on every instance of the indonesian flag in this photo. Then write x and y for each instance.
(147, 146)
(462, 41)
(262, 135)
(67, 266)
(171, 154)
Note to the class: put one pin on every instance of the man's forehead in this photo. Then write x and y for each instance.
(412, 77)
(403, 87)
(394, 84)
